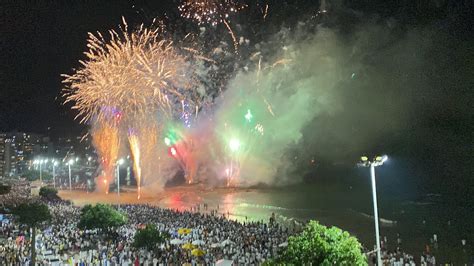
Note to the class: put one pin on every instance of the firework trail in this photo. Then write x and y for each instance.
(107, 142)
(135, 150)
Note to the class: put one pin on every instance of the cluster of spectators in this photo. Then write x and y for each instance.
(216, 237)
(20, 190)
(397, 257)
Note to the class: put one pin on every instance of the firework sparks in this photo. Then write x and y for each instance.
(122, 81)
(234, 39)
(106, 140)
(212, 12)
(135, 71)
(135, 149)
(209, 11)
(265, 12)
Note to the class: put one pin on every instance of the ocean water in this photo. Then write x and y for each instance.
(415, 221)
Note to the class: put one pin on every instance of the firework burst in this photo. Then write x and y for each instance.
(126, 80)
(134, 72)
(209, 11)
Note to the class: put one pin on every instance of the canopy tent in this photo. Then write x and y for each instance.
(188, 246)
(184, 231)
(224, 262)
(198, 242)
(198, 252)
(176, 241)
(215, 245)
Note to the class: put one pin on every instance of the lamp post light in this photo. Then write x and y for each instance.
(41, 162)
(377, 161)
(71, 162)
(119, 162)
(55, 163)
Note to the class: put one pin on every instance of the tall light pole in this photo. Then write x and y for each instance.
(377, 161)
(71, 162)
(41, 173)
(55, 163)
(119, 162)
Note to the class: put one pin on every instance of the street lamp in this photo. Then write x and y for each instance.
(377, 161)
(41, 162)
(71, 162)
(55, 163)
(119, 162)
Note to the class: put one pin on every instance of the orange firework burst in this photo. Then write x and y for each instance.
(209, 11)
(106, 140)
(134, 72)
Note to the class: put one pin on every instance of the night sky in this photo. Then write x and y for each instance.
(40, 40)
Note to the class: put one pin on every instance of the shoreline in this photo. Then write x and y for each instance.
(182, 198)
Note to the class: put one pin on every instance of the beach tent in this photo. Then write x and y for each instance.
(176, 241)
(188, 246)
(198, 252)
(224, 263)
(184, 231)
(198, 242)
(215, 245)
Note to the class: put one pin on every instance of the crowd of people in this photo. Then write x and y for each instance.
(249, 243)
(397, 257)
(20, 190)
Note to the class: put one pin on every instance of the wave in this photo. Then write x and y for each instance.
(271, 207)
(433, 195)
(419, 203)
(383, 221)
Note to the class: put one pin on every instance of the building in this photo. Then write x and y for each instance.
(10, 157)
(2, 154)
(18, 149)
